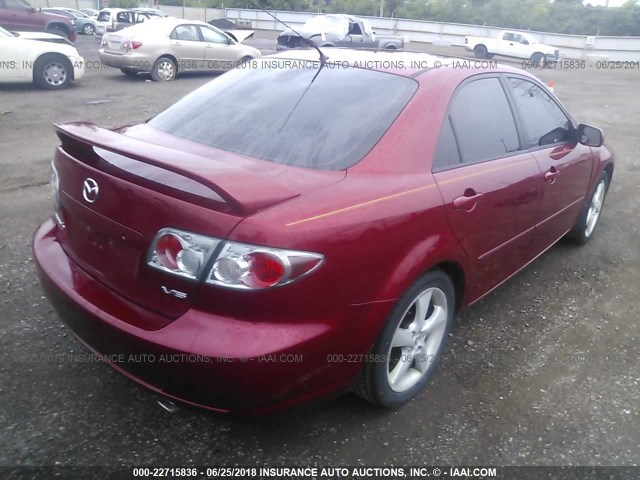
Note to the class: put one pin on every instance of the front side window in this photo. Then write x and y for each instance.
(545, 123)
(103, 16)
(483, 122)
(324, 119)
(212, 36)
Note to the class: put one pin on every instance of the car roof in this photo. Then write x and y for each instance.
(164, 26)
(405, 63)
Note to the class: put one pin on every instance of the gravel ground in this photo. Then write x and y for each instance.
(544, 371)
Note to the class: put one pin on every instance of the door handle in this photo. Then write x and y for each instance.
(468, 201)
(551, 175)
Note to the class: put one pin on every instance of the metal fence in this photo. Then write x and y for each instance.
(437, 33)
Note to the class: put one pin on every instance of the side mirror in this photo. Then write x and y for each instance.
(590, 136)
(32, 10)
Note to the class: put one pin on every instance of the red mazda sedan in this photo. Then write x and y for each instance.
(293, 230)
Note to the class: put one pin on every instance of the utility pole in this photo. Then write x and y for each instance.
(381, 7)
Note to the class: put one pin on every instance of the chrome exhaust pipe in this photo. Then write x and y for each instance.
(168, 405)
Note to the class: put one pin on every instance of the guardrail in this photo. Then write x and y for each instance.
(437, 33)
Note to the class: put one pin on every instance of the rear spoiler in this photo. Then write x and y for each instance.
(241, 189)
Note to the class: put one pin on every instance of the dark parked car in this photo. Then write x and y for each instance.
(18, 15)
(319, 239)
(84, 24)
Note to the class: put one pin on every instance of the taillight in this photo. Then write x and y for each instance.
(55, 195)
(181, 253)
(244, 266)
(236, 265)
(131, 45)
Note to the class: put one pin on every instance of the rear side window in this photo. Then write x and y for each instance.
(447, 153)
(544, 121)
(324, 119)
(483, 122)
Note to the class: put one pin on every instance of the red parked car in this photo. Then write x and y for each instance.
(285, 234)
(18, 15)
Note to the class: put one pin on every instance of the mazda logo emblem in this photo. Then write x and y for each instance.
(90, 190)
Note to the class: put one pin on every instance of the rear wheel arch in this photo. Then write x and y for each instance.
(419, 261)
(455, 272)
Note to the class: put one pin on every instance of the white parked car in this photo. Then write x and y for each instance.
(41, 60)
(169, 46)
(105, 21)
(512, 44)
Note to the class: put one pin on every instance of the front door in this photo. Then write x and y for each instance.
(565, 164)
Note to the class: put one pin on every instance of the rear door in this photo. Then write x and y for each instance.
(565, 164)
(188, 47)
(489, 184)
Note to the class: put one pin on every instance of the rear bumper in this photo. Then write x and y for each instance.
(140, 63)
(218, 363)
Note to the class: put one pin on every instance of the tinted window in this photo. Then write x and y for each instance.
(447, 154)
(544, 121)
(103, 16)
(483, 122)
(327, 119)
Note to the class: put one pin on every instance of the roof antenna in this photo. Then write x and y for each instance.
(323, 57)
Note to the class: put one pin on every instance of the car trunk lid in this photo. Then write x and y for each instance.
(118, 191)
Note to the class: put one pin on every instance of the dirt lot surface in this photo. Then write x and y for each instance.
(544, 371)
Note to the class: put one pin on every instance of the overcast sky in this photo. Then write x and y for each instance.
(612, 3)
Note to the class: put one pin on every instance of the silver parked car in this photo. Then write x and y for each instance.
(166, 47)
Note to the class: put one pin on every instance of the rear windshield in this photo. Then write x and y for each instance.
(286, 116)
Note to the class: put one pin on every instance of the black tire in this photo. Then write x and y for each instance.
(58, 31)
(580, 234)
(537, 60)
(129, 72)
(88, 29)
(164, 70)
(480, 51)
(490, 55)
(391, 47)
(374, 381)
(52, 71)
(244, 60)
